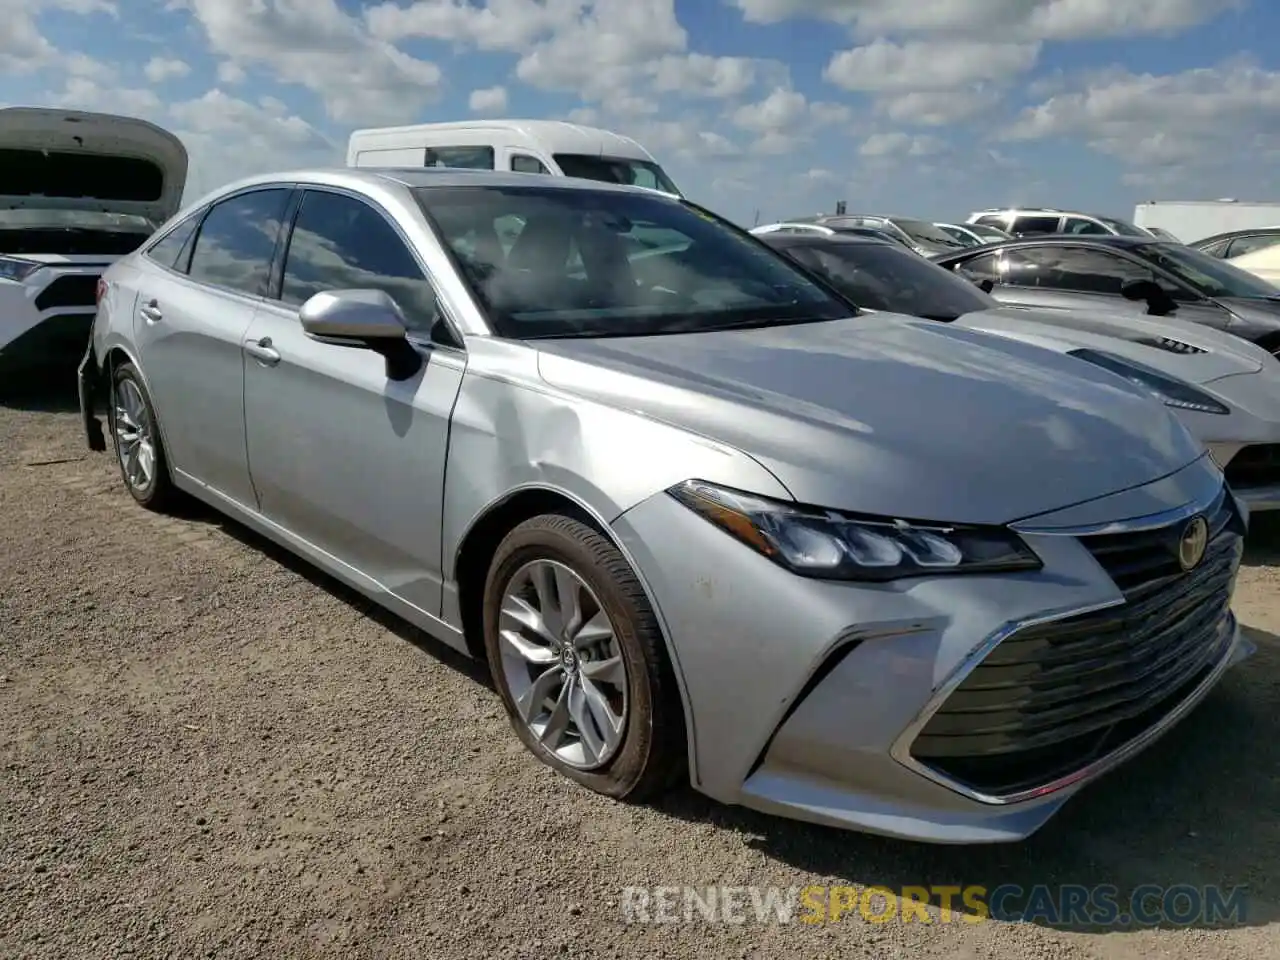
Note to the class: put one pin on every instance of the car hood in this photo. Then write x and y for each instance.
(1189, 351)
(891, 415)
(76, 160)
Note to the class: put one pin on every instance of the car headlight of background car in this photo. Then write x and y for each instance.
(1174, 393)
(13, 268)
(839, 546)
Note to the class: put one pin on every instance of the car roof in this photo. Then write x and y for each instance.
(415, 177)
(1053, 240)
(822, 240)
(1232, 234)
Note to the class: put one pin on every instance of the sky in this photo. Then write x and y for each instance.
(759, 109)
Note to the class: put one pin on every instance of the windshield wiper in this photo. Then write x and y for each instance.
(700, 325)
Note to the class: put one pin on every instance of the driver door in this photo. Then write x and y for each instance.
(339, 455)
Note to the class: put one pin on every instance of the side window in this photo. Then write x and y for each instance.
(993, 220)
(1078, 269)
(168, 249)
(1022, 226)
(237, 241)
(523, 163)
(1242, 245)
(341, 243)
(984, 267)
(471, 158)
(1082, 227)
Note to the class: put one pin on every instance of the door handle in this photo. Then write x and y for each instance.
(262, 351)
(150, 312)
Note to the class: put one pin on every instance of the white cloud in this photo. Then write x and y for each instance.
(886, 66)
(315, 44)
(488, 100)
(230, 72)
(1202, 116)
(896, 144)
(160, 69)
(1032, 20)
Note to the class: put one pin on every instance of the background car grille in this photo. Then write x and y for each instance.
(72, 290)
(1052, 698)
(1254, 466)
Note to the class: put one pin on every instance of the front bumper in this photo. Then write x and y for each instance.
(804, 697)
(88, 385)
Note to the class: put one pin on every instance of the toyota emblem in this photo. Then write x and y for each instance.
(1193, 543)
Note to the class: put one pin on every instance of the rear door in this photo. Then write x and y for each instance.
(341, 456)
(191, 317)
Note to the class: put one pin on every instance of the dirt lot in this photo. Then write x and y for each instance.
(209, 749)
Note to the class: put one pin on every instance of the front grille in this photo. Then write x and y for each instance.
(72, 290)
(1255, 466)
(1052, 698)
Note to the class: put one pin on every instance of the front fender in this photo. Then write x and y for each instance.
(510, 434)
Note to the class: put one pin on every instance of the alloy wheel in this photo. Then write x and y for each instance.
(135, 435)
(563, 664)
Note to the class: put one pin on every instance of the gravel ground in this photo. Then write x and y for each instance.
(211, 750)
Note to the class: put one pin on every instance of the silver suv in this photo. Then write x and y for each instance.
(1028, 221)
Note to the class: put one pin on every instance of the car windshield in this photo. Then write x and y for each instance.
(883, 277)
(624, 170)
(1207, 275)
(1122, 228)
(986, 230)
(557, 262)
(955, 233)
(39, 218)
(924, 232)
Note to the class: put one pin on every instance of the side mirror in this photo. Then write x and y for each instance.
(370, 319)
(1158, 301)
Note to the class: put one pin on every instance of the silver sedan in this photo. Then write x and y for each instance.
(703, 519)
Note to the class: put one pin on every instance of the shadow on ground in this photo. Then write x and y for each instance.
(39, 388)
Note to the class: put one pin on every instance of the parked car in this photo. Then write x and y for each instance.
(1132, 274)
(1033, 221)
(1225, 389)
(78, 190)
(702, 518)
(874, 233)
(1227, 246)
(920, 235)
(1263, 263)
(972, 234)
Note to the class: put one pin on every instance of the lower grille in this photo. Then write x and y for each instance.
(1052, 698)
(1255, 466)
(72, 290)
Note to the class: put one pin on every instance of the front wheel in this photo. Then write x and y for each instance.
(136, 438)
(579, 661)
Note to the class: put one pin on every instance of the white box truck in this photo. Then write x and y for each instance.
(1192, 220)
(552, 147)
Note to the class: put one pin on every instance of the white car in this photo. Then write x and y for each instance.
(77, 191)
(1223, 387)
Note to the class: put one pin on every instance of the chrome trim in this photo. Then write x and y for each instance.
(1151, 521)
(901, 749)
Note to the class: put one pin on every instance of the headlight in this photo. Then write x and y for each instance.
(12, 268)
(1174, 393)
(838, 546)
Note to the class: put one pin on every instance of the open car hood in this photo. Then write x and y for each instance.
(75, 160)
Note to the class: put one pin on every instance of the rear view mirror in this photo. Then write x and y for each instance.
(986, 285)
(362, 318)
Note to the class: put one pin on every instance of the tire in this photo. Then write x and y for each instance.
(650, 754)
(129, 397)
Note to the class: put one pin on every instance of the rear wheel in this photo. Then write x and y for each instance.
(136, 437)
(579, 661)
